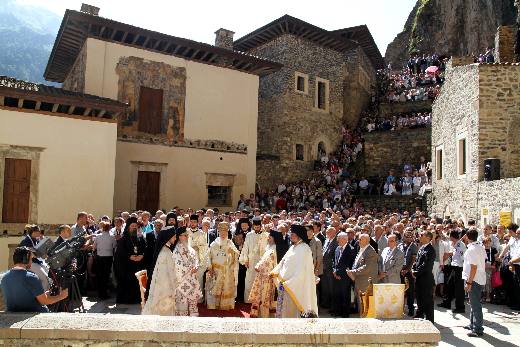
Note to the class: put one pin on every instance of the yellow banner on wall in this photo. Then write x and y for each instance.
(506, 218)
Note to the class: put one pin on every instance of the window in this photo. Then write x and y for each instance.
(219, 196)
(321, 99)
(299, 152)
(150, 110)
(17, 184)
(438, 162)
(462, 154)
(301, 83)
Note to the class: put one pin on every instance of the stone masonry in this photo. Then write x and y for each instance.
(75, 80)
(385, 150)
(505, 44)
(91, 329)
(480, 103)
(288, 117)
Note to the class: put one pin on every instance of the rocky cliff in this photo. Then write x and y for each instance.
(450, 27)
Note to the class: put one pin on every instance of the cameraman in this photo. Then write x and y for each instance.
(22, 290)
(38, 267)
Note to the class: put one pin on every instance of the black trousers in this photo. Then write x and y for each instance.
(455, 288)
(326, 289)
(515, 300)
(341, 299)
(103, 270)
(424, 287)
(410, 293)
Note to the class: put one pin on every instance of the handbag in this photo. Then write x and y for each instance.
(496, 280)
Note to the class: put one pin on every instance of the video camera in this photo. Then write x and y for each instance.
(60, 259)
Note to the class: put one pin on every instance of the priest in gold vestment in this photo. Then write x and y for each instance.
(222, 275)
(263, 289)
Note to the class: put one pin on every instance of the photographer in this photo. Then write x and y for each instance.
(22, 290)
(38, 267)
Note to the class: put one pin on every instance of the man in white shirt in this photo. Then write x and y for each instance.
(474, 275)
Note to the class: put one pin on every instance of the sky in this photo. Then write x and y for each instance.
(198, 20)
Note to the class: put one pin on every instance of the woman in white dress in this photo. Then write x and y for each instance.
(161, 299)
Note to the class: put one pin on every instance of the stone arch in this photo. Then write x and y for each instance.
(321, 143)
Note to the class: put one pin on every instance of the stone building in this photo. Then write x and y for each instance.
(476, 117)
(325, 81)
(189, 135)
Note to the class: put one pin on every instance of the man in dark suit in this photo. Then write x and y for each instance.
(423, 274)
(327, 278)
(316, 227)
(343, 259)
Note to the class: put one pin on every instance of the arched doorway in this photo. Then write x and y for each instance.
(322, 151)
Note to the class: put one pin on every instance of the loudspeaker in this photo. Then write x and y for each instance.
(491, 169)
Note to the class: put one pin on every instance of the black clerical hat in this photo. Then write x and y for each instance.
(301, 232)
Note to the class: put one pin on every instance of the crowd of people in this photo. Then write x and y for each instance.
(487, 57)
(285, 264)
(370, 122)
(420, 80)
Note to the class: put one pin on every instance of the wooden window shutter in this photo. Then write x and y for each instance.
(17, 184)
(150, 110)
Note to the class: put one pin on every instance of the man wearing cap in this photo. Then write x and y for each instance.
(199, 242)
(254, 248)
(294, 277)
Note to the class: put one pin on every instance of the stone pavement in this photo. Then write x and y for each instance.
(501, 325)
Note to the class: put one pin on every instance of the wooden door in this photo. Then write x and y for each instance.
(150, 110)
(148, 183)
(17, 188)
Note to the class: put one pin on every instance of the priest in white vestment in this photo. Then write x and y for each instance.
(295, 279)
(161, 299)
(199, 242)
(188, 292)
(252, 251)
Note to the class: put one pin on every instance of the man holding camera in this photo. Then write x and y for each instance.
(22, 290)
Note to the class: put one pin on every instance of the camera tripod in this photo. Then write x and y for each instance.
(73, 301)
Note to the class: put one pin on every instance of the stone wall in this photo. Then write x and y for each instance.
(385, 150)
(499, 124)
(505, 44)
(135, 73)
(481, 103)
(455, 112)
(392, 203)
(391, 108)
(75, 80)
(61, 329)
(358, 86)
(288, 117)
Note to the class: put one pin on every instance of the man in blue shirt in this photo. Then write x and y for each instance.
(22, 290)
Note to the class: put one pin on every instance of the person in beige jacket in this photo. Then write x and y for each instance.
(365, 265)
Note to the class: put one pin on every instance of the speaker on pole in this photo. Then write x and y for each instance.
(491, 169)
